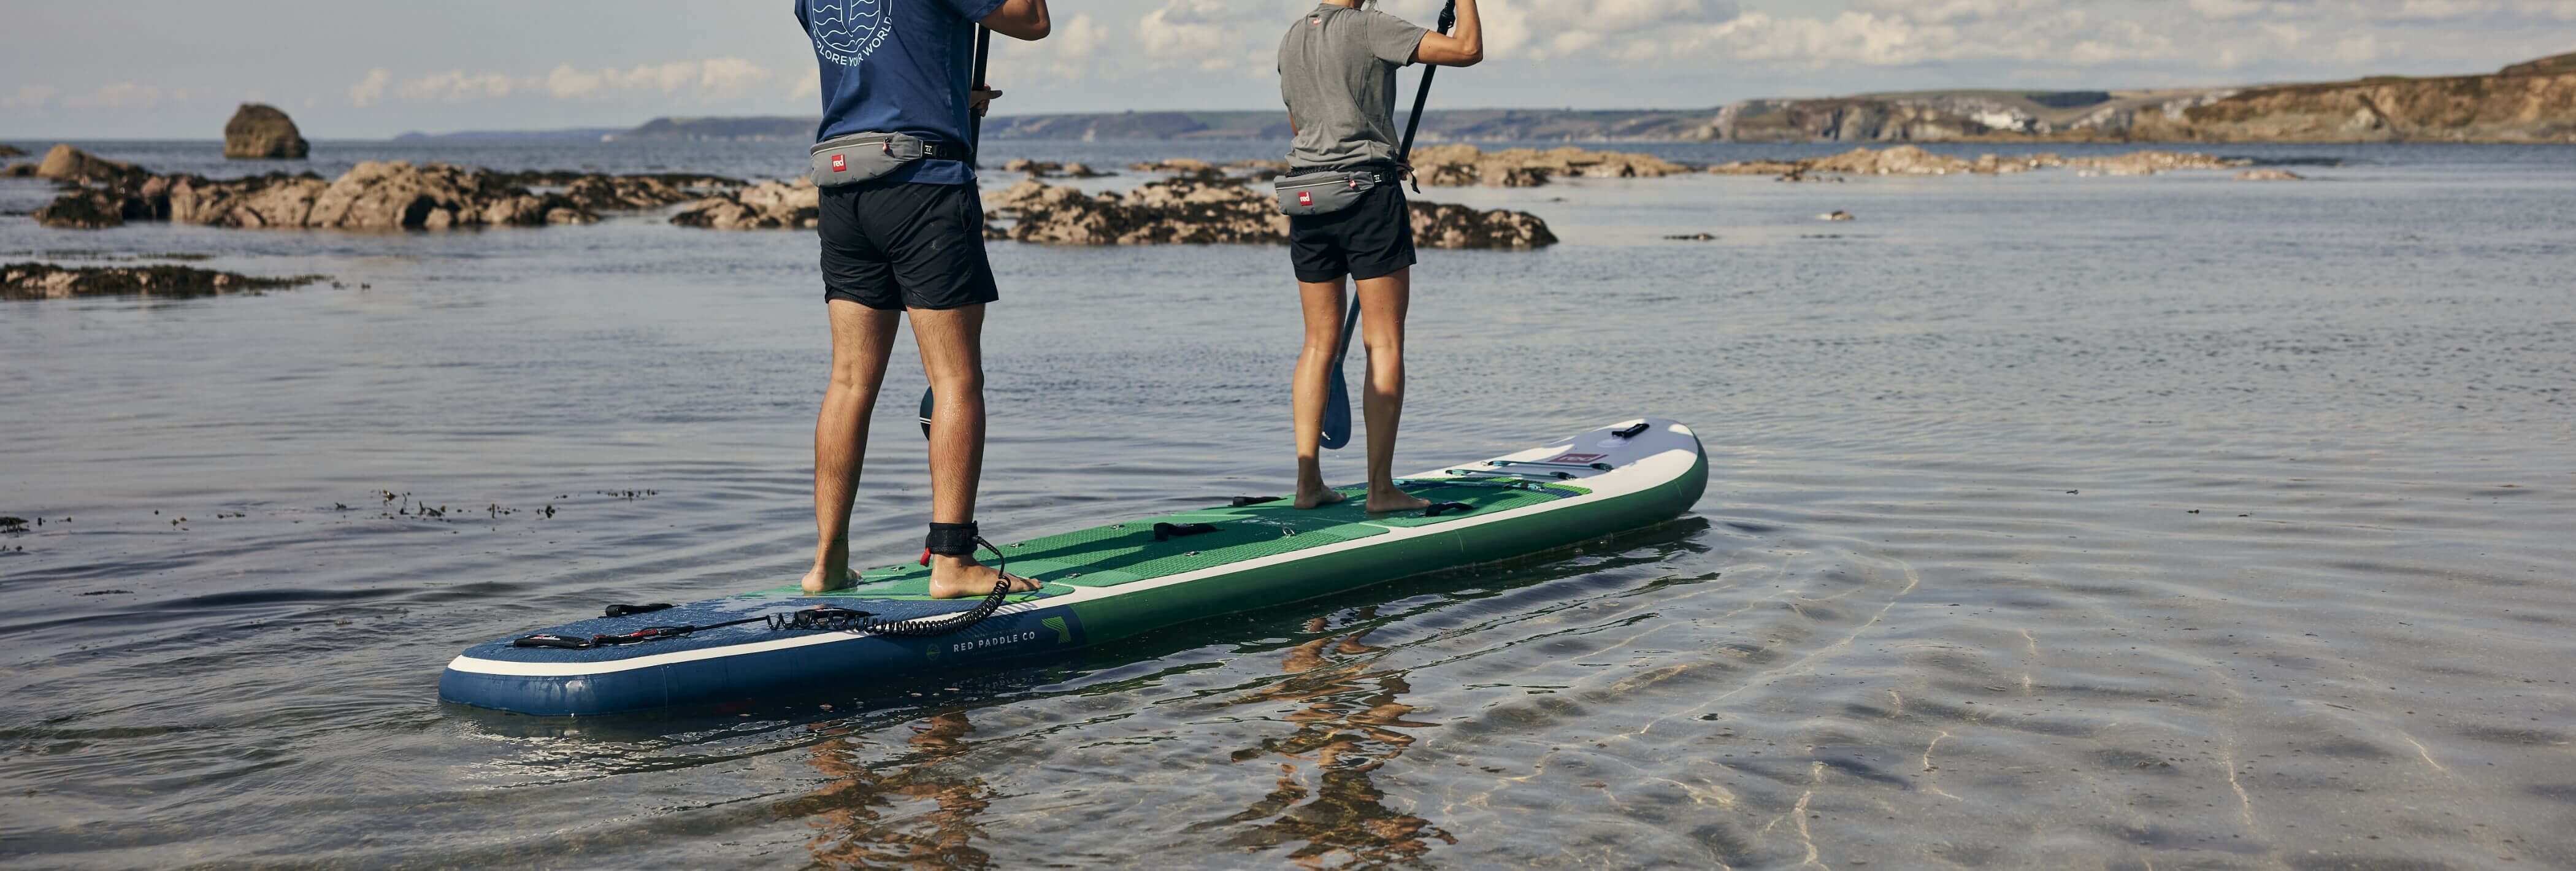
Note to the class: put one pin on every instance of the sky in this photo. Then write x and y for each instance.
(356, 69)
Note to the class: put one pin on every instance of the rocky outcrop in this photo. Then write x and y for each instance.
(773, 205)
(1050, 169)
(261, 132)
(2149, 162)
(395, 195)
(7, 150)
(2538, 105)
(1180, 165)
(267, 201)
(384, 195)
(1448, 225)
(91, 210)
(1212, 208)
(2269, 175)
(1198, 209)
(1914, 160)
(67, 164)
(22, 281)
(1461, 165)
(611, 193)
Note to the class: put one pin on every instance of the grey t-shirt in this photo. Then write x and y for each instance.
(1337, 71)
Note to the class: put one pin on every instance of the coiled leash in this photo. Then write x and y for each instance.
(947, 539)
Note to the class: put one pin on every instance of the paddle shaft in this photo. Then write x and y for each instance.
(975, 120)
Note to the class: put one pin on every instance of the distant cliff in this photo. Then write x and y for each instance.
(2526, 102)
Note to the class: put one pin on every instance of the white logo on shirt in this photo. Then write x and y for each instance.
(847, 31)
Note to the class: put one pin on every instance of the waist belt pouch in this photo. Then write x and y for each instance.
(1323, 193)
(858, 157)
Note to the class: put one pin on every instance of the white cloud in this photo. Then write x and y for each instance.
(27, 97)
(372, 88)
(712, 79)
(124, 95)
(457, 86)
(715, 77)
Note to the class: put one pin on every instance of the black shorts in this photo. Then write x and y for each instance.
(1371, 239)
(905, 245)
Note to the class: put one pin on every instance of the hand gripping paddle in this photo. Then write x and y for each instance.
(1337, 390)
(974, 152)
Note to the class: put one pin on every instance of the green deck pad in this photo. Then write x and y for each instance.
(1120, 553)
(1488, 496)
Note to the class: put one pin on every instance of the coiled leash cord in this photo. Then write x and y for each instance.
(821, 619)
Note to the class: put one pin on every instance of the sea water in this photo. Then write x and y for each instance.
(2053, 521)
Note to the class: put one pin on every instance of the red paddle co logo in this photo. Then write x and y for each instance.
(1305, 198)
(840, 163)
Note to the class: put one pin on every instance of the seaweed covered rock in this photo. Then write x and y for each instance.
(793, 204)
(67, 164)
(1210, 208)
(1914, 160)
(1460, 165)
(1448, 225)
(48, 281)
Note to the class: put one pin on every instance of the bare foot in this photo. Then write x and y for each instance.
(1319, 497)
(814, 583)
(1381, 501)
(959, 577)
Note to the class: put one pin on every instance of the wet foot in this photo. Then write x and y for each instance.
(1318, 497)
(815, 583)
(952, 578)
(1383, 501)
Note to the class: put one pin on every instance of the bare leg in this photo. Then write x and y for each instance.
(1306, 386)
(952, 354)
(861, 339)
(1383, 301)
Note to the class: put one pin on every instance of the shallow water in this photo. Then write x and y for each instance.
(2054, 522)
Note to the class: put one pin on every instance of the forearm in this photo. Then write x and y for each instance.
(1463, 46)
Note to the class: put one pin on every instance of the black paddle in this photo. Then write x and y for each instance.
(1337, 390)
(974, 154)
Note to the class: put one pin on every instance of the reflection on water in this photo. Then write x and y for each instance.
(868, 819)
(1352, 725)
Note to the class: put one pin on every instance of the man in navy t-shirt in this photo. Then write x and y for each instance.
(908, 241)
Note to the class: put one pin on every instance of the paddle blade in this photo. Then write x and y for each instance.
(1337, 411)
(1337, 391)
(925, 412)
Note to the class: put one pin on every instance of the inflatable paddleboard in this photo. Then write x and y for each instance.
(1101, 584)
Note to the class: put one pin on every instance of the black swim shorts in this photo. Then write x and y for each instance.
(1371, 239)
(905, 245)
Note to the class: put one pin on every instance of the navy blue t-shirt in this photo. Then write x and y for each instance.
(897, 66)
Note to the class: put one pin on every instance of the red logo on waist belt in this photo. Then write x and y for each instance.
(1305, 198)
(840, 163)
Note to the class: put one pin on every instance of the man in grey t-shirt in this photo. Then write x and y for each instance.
(1337, 74)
